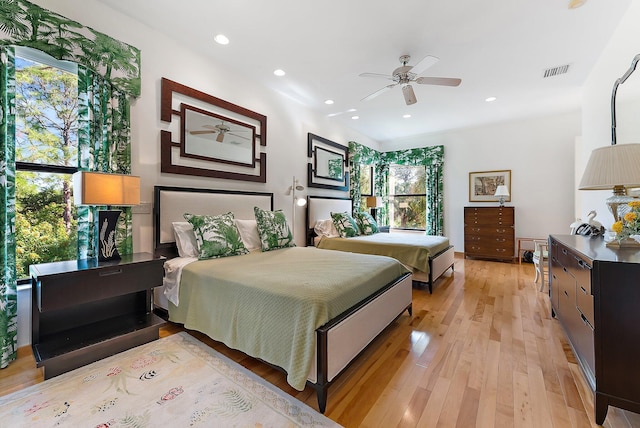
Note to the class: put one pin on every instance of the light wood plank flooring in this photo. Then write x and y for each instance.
(482, 351)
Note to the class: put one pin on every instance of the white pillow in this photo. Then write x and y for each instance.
(249, 233)
(185, 239)
(326, 228)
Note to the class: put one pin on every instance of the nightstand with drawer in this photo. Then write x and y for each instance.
(85, 310)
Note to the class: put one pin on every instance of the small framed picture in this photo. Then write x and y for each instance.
(483, 185)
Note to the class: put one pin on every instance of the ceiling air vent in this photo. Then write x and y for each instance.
(556, 71)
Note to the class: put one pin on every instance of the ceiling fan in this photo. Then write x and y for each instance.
(407, 74)
(221, 129)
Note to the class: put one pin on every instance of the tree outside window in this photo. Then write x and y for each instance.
(46, 156)
(407, 197)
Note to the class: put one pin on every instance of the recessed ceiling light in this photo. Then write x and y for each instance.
(490, 99)
(355, 117)
(332, 114)
(406, 116)
(279, 72)
(351, 110)
(328, 102)
(221, 39)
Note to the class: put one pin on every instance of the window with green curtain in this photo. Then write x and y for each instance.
(109, 75)
(432, 158)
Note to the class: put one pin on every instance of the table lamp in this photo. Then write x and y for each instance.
(98, 189)
(502, 192)
(373, 202)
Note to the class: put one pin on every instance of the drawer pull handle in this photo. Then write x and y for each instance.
(565, 293)
(109, 273)
(585, 320)
(564, 251)
(584, 290)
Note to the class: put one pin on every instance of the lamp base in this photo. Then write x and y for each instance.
(619, 205)
(107, 221)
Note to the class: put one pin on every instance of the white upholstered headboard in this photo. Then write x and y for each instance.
(170, 203)
(320, 208)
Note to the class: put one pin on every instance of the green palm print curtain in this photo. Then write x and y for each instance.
(8, 291)
(109, 75)
(431, 157)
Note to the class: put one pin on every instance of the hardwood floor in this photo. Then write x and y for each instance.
(481, 351)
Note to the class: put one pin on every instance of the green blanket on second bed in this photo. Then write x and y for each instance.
(411, 249)
(269, 304)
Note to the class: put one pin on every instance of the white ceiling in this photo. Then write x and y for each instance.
(497, 47)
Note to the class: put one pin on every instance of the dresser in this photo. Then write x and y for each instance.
(489, 233)
(595, 295)
(85, 310)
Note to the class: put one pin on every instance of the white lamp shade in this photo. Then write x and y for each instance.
(502, 190)
(97, 188)
(611, 166)
(374, 201)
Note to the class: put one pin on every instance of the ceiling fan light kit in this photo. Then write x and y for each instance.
(406, 74)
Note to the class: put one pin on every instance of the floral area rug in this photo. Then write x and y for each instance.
(176, 381)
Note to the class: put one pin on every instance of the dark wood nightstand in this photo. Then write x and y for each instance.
(83, 311)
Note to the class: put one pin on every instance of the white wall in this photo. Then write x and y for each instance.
(596, 119)
(540, 154)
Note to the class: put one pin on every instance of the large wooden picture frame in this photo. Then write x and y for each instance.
(483, 185)
(237, 150)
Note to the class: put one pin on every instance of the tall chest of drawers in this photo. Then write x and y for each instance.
(489, 233)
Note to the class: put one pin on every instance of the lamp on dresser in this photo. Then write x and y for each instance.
(502, 192)
(104, 189)
(614, 167)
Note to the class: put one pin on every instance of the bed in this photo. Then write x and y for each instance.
(232, 299)
(428, 257)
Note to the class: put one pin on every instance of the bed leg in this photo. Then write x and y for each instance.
(322, 398)
(410, 309)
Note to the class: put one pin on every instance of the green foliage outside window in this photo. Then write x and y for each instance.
(46, 135)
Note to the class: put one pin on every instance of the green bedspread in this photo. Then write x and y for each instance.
(411, 249)
(269, 304)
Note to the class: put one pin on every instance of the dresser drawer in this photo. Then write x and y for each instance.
(489, 249)
(584, 301)
(70, 289)
(489, 215)
(490, 231)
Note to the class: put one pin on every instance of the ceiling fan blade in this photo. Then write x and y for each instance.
(220, 137)
(443, 81)
(202, 132)
(378, 92)
(409, 95)
(211, 126)
(376, 75)
(426, 62)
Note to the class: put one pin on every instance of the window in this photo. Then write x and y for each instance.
(407, 197)
(46, 157)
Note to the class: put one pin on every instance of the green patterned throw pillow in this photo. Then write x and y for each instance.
(217, 236)
(273, 229)
(345, 224)
(366, 223)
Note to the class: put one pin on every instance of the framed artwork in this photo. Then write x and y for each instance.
(483, 185)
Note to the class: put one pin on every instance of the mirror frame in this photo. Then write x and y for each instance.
(242, 172)
(316, 152)
(315, 142)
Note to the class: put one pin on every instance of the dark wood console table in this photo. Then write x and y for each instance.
(83, 311)
(595, 294)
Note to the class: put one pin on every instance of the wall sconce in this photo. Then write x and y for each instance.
(373, 202)
(617, 166)
(502, 192)
(98, 189)
(296, 202)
